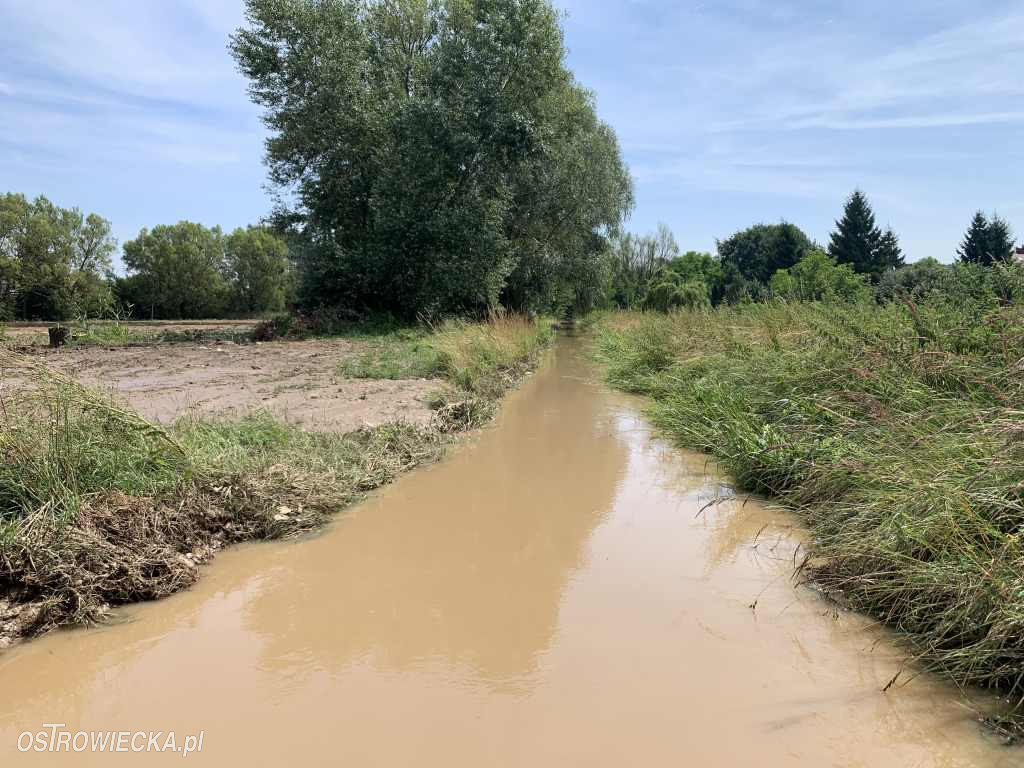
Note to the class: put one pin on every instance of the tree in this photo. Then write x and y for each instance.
(636, 260)
(890, 255)
(818, 277)
(1001, 241)
(442, 158)
(257, 268)
(176, 271)
(974, 248)
(54, 262)
(987, 241)
(695, 267)
(857, 241)
(669, 291)
(916, 280)
(753, 255)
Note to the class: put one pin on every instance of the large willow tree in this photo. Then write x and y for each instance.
(433, 156)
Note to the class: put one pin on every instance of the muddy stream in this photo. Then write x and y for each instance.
(550, 595)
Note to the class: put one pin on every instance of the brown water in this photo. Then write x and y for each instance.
(548, 596)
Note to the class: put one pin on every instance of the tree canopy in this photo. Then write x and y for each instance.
(818, 277)
(257, 270)
(186, 270)
(758, 252)
(433, 156)
(54, 262)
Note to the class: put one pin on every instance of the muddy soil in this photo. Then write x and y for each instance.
(296, 381)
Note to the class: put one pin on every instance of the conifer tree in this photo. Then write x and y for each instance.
(857, 240)
(974, 248)
(1000, 240)
(987, 241)
(890, 255)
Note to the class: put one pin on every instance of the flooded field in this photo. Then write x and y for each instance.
(556, 593)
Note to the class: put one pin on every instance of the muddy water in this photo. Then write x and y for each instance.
(548, 596)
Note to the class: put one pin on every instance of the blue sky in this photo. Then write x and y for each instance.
(729, 112)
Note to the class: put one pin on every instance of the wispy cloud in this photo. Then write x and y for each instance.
(131, 109)
(747, 111)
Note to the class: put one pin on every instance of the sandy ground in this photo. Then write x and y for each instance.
(296, 381)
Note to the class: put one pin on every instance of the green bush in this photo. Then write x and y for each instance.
(817, 277)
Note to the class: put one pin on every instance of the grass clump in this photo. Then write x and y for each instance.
(403, 354)
(486, 359)
(483, 358)
(478, 361)
(896, 430)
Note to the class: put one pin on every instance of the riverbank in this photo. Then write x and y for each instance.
(100, 506)
(559, 582)
(893, 430)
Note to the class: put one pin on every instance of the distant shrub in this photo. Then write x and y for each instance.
(277, 327)
(917, 280)
(817, 277)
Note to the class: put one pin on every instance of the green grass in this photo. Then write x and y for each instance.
(404, 354)
(478, 358)
(897, 431)
(99, 506)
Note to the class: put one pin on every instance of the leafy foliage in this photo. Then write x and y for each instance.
(186, 270)
(635, 261)
(817, 277)
(915, 281)
(176, 271)
(750, 257)
(258, 271)
(442, 157)
(55, 262)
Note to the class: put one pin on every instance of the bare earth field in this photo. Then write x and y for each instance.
(297, 381)
(36, 333)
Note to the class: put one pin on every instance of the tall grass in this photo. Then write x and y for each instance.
(478, 357)
(487, 358)
(897, 431)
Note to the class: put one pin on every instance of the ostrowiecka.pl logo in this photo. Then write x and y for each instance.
(53, 739)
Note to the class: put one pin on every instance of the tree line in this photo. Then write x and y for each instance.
(57, 264)
(429, 158)
(780, 260)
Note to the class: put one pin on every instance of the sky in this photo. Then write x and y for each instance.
(729, 112)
